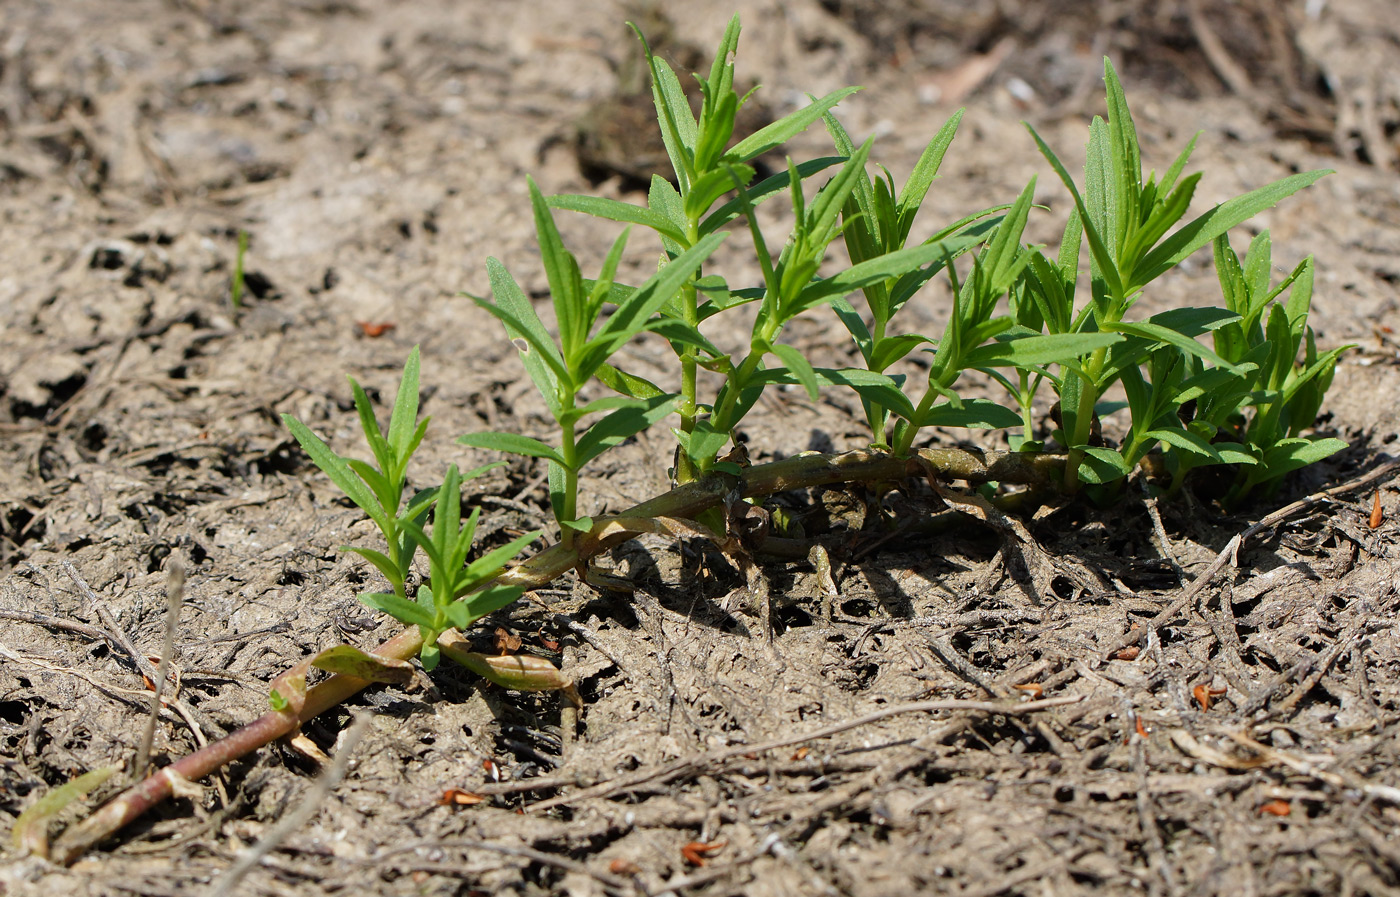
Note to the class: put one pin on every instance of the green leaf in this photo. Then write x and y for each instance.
(467, 611)
(703, 443)
(889, 265)
(678, 126)
(381, 562)
(1186, 441)
(1217, 221)
(403, 428)
(1126, 158)
(713, 184)
(872, 386)
(633, 313)
(1290, 454)
(1029, 351)
(401, 609)
(623, 424)
(513, 443)
(777, 133)
(855, 326)
(492, 562)
(1103, 258)
(911, 196)
(336, 468)
(663, 199)
(606, 403)
(681, 333)
(541, 357)
(1157, 332)
(975, 414)
(561, 269)
(1004, 258)
(800, 367)
(347, 660)
(369, 426)
(383, 490)
(615, 210)
(627, 384)
(892, 348)
(1102, 465)
(769, 186)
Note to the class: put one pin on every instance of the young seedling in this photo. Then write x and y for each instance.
(379, 491)
(457, 593)
(1126, 221)
(561, 370)
(707, 167)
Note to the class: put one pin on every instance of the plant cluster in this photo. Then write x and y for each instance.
(1031, 322)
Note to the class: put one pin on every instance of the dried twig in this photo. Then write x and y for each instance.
(118, 638)
(300, 814)
(175, 593)
(1231, 550)
(668, 771)
(613, 883)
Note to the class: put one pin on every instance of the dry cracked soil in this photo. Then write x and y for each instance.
(375, 155)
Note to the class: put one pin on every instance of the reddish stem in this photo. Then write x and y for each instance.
(686, 501)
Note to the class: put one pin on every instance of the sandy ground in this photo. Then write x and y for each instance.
(376, 155)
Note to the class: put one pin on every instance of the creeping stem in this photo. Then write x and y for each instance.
(686, 501)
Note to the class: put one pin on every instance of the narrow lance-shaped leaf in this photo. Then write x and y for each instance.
(777, 133)
(1053, 348)
(1104, 259)
(911, 196)
(513, 443)
(337, 469)
(678, 125)
(623, 424)
(403, 419)
(632, 315)
(800, 367)
(561, 269)
(616, 210)
(1222, 218)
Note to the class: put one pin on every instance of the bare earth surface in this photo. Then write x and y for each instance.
(376, 154)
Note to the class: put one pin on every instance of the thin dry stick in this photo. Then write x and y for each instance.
(1387, 793)
(300, 814)
(668, 771)
(174, 594)
(117, 637)
(613, 883)
(1231, 549)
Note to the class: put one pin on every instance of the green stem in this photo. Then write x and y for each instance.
(689, 410)
(568, 449)
(1083, 417)
(944, 380)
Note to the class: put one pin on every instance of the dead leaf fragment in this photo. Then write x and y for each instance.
(456, 797)
(1377, 515)
(506, 643)
(376, 329)
(697, 852)
(1205, 695)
